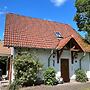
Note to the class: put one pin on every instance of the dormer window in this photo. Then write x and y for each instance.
(58, 35)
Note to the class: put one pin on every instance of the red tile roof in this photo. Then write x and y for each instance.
(63, 42)
(4, 51)
(21, 31)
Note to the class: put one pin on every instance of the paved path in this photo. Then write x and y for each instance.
(67, 86)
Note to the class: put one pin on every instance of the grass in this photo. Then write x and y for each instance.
(86, 89)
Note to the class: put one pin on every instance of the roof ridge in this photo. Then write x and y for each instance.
(38, 18)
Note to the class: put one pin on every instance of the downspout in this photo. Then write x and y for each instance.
(84, 54)
(52, 54)
(49, 59)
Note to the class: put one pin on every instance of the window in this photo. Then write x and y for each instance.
(58, 35)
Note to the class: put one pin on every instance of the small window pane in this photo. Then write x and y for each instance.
(58, 35)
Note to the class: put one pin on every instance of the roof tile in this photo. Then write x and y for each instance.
(21, 31)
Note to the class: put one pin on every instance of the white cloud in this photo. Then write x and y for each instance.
(58, 2)
(3, 12)
(5, 7)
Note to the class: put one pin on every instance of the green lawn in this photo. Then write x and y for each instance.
(86, 89)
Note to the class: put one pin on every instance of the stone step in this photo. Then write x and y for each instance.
(4, 83)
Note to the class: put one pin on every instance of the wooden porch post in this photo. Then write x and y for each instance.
(10, 68)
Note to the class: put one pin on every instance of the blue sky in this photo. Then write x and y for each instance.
(61, 11)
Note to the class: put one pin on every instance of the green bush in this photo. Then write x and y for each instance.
(26, 69)
(80, 75)
(49, 76)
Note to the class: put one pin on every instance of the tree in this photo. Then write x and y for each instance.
(82, 16)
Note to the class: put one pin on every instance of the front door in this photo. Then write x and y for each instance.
(65, 70)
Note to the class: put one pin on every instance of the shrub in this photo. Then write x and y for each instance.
(49, 76)
(80, 75)
(26, 69)
(39, 81)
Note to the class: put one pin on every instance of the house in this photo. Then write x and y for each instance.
(58, 45)
(5, 66)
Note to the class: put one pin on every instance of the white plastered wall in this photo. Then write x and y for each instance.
(44, 54)
(85, 64)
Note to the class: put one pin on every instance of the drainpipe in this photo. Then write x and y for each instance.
(84, 54)
(49, 59)
(52, 54)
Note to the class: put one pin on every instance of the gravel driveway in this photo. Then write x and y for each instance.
(65, 86)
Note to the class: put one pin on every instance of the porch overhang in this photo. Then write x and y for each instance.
(4, 51)
(64, 42)
(8, 55)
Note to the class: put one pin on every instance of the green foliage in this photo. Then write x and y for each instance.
(82, 16)
(14, 85)
(80, 75)
(3, 59)
(26, 69)
(49, 76)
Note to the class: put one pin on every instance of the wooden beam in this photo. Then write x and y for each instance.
(75, 50)
(59, 53)
(10, 69)
(72, 58)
